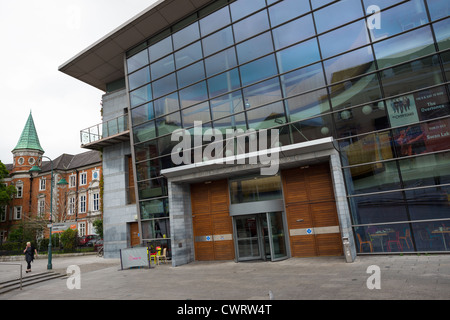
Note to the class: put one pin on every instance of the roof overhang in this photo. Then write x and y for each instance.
(103, 61)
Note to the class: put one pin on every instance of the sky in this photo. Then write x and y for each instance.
(36, 38)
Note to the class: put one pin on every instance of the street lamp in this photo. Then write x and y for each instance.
(36, 169)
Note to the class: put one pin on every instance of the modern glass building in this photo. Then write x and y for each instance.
(360, 99)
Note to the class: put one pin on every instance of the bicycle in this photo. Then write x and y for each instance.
(100, 252)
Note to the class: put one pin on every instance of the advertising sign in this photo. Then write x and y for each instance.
(134, 257)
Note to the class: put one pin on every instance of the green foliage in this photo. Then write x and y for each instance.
(6, 192)
(98, 226)
(69, 239)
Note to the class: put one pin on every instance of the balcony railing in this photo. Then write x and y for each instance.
(106, 133)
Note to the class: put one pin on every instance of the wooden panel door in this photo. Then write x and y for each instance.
(311, 211)
(212, 224)
(134, 234)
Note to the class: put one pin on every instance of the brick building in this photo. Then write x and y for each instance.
(79, 201)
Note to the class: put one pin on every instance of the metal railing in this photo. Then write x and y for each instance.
(104, 130)
(15, 264)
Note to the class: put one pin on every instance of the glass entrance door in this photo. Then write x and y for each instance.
(260, 237)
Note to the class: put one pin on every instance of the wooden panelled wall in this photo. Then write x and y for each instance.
(211, 218)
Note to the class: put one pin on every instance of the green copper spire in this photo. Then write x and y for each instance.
(29, 138)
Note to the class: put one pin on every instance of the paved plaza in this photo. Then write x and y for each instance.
(407, 277)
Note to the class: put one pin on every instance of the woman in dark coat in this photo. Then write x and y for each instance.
(29, 255)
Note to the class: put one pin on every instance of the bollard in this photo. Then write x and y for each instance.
(347, 251)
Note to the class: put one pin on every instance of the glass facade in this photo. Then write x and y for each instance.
(300, 66)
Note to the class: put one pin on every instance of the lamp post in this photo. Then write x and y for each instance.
(60, 182)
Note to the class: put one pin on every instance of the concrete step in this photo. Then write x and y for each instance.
(28, 280)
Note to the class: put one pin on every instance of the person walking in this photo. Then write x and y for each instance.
(29, 251)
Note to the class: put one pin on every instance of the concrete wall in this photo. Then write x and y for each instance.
(116, 212)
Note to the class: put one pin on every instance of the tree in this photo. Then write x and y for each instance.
(98, 225)
(6, 192)
(69, 239)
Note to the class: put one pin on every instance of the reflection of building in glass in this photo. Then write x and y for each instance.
(363, 116)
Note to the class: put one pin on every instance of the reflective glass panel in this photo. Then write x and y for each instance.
(375, 177)
(430, 236)
(160, 49)
(193, 94)
(380, 3)
(442, 32)
(241, 8)
(262, 93)
(223, 82)
(147, 170)
(139, 78)
(142, 114)
(166, 125)
(426, 170)
(308, 105)
(351, 8)
(429, 203)
(404, 47)
(349, 65)
(185, 36)
(411, 76)
(368, 148)
(220, 62)
(403, 17)
(164, 85)
(166, 104)
(258, 70)
(299, 55)
(293, 32)
(302, 80)
(438, 9)
(250, 26)
(215, 21)
(266, 117)
(310, 129)
(234, 122)
(254, 48)
(155, 209)
(140, 96)
(188, 55)
(191, 74)
(137, 61)
(344, 39)
(217, 41)
(255, 189)
(287, 10)
(144, 132)
(162, 67)
(227, 104)
(356, 91)
(196, 113)
(152, 188)
(319, 3)
(146, 150)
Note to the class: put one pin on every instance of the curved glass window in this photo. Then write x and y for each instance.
(224, 82)
(139, 78)
(266, 117)
(160, 49)
(262, 93)
(242, 8)
(227, 104)
(258, 70)
(168, 124)
(217, 41)
(157, 208)
(166, 104)
(310, 129)
(308, 105)
(438, 9)
(215, 21)
(319, 3)
(254, 48)
(343, 39)
(140, 96)
(293, 32)
(196, 113)
(164, 85)
(148, 170)
(442, 32)
(185, 36)
(352, 9)
(404, 47)
(251, 26)
(234, 122)
(162, 67)
(349, 65)
(142, 114)
(144, 132)
(403, 17)
(298, 56)
(137, 61)
(287, 10)
(220, 62)
(191, 74)
(152, 188)
(146, 150)
(188, 55)
(193, 94)
(302, 80)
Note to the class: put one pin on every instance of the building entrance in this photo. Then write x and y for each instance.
(260, 237)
